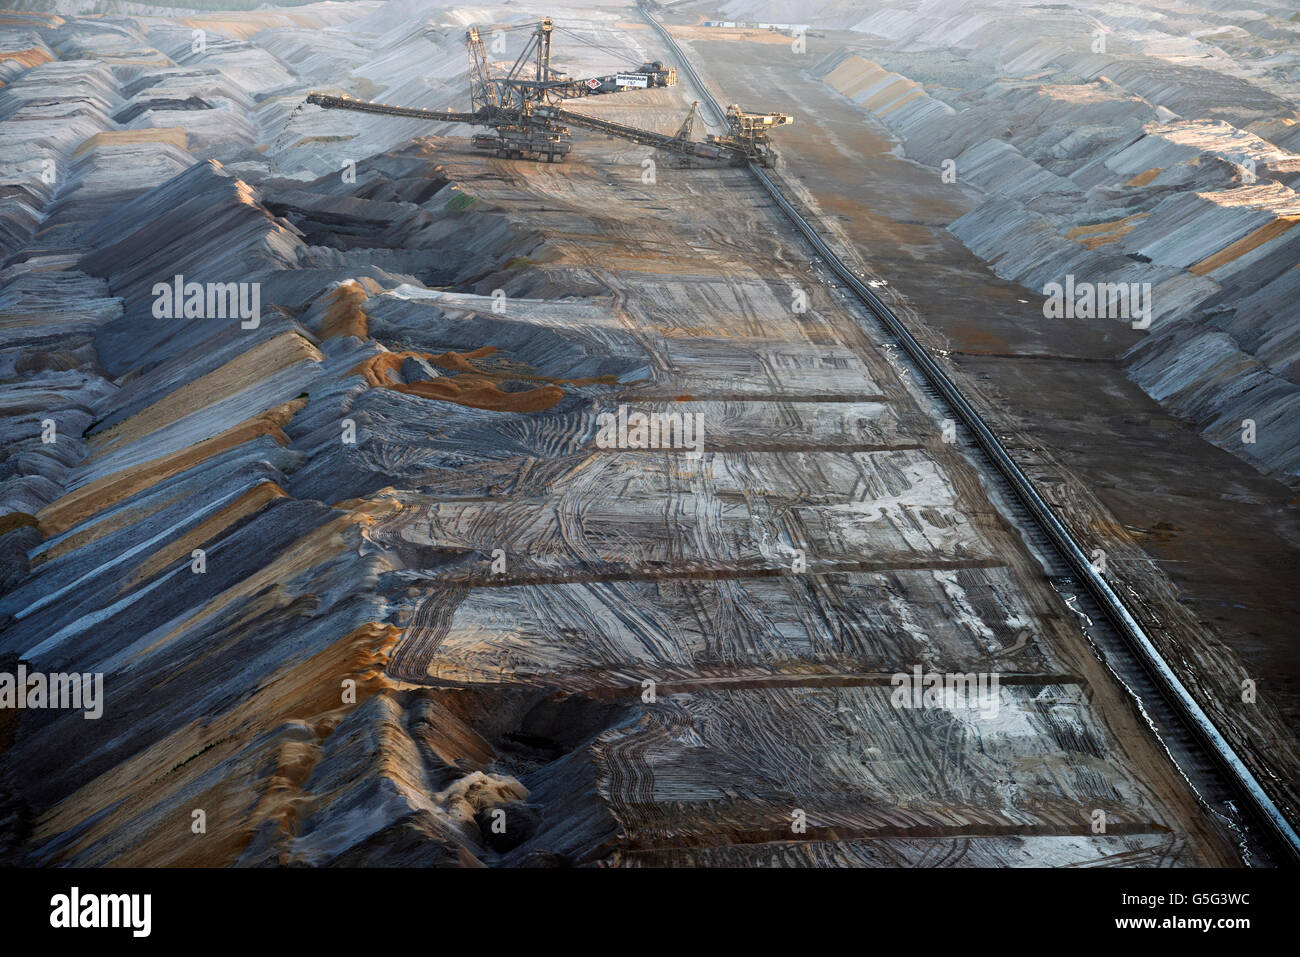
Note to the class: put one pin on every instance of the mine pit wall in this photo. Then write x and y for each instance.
(209, 439)
(1221, 348)
(148, 466)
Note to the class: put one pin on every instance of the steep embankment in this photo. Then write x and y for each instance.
(1106, 157)
(186, 501)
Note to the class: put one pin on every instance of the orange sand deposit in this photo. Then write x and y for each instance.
(1102, 234)
(246, 767)
(464, 362)
(79, 504)
(251, 502)
(154, 134)
(1141, 179)
(486, 395)
(33, 56)
(345, 316)
(1266, 233)
(472, 387)
(257, 364)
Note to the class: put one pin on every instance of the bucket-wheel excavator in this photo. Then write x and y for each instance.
(520, 108)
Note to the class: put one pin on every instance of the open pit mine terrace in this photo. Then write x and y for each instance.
(364, 584)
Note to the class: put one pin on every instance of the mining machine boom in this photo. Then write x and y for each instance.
(520, 107)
